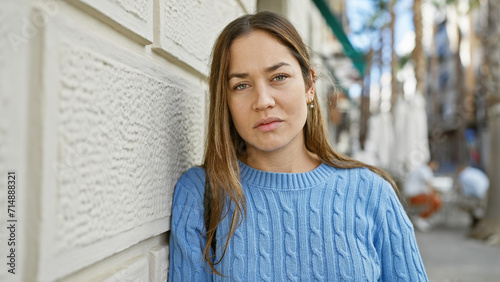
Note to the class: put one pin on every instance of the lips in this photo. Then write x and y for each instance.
(268, 124)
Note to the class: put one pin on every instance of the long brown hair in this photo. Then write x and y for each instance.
(223, 142)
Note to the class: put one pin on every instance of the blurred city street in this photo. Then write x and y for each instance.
(449, 255)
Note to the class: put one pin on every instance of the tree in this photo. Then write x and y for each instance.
(381, 20)
(418, 53)
(376, 22)
(394, 60)
(489, 227)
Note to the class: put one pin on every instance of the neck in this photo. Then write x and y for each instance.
(287, 161)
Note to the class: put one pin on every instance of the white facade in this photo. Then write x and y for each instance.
(102, 108)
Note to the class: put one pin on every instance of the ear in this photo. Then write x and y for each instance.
(310, 93)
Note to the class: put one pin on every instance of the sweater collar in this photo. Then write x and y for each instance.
(284, 181)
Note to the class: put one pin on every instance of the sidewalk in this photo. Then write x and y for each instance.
(449, 255)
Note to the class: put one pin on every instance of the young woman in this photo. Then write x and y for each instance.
(273, 201)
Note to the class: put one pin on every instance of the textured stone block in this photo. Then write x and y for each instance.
(188, 29)
(134, 271)
(158, 263)
(119, 131)
(133, 15)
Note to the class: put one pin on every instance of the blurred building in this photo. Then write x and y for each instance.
(455, 103)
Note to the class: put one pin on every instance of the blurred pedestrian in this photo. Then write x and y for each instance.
(418, 191)
(273, 201)
(473, 185)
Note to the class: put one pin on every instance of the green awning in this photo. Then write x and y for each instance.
(357, 59)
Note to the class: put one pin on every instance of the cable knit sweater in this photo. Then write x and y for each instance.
(328, 224)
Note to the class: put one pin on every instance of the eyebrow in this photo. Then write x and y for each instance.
(268, 69)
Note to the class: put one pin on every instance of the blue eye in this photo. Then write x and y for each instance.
(280, 77)
(241, 86)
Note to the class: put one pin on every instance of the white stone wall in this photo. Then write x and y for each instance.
(4, 131)
(184, 35)
(14, 86)
(102, 108)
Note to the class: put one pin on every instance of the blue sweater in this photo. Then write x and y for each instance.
(328, 224)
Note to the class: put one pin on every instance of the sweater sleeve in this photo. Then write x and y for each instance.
(395, 241)
(187, 237)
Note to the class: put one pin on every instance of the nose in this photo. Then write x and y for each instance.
(263, 97)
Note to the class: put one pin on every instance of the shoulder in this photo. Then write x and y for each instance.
(367, 194)
(381, 198)
(472, 170)
(193, 175)
(362, 174)
(421, 173)
(191, 183)
(425, 171)
(365, 181)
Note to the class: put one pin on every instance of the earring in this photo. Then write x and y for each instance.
(311, 105)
